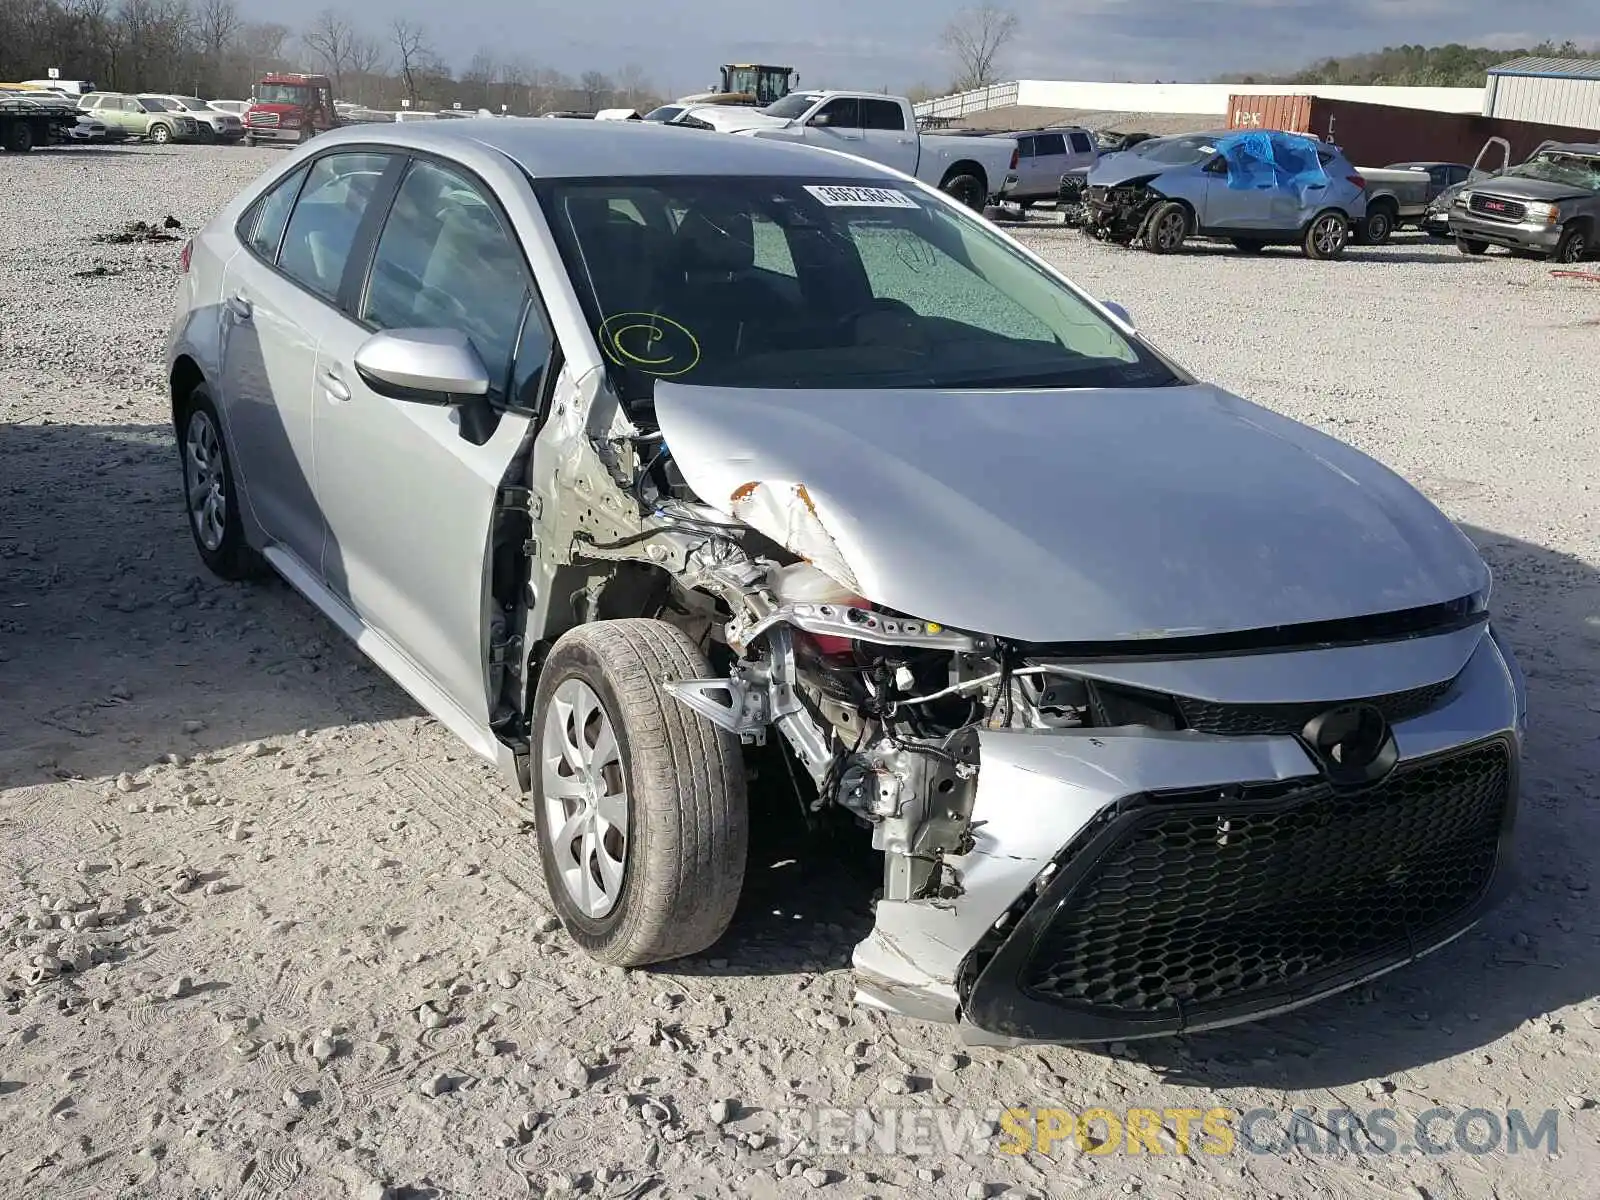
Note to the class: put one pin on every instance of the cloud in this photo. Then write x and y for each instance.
(856, 43)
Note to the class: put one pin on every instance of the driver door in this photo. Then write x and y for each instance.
(1225, 207)
(837, 126)
(409, 498)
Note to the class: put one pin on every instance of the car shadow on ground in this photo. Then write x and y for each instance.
(115, 648)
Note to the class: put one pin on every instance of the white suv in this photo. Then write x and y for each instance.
(215, 125)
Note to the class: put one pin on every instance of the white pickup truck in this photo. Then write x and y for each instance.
(881, 128)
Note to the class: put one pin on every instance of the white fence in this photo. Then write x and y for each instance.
(1208, 99)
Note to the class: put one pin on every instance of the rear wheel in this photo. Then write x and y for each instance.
(210, 496)
(1471, 245)
(1167, 228)
(639, 802)
(967, 189)
(1573, 247)
(1326, 236)
(1379, 225)
(19, 139)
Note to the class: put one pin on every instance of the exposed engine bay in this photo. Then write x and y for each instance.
(1119, 213)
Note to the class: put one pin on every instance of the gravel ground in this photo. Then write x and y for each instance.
(267, 931)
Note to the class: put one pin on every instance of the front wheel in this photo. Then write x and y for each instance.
(1471, 246)
(966, 189)
(1326, 236)
(1167, 229)
(639, 802)
(1573, 247)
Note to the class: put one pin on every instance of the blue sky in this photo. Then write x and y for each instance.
(895, 43)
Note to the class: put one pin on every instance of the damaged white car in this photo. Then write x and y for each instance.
(623, 452)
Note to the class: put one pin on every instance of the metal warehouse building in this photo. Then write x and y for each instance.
(1552, 91)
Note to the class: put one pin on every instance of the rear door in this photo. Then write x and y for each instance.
(410, 497)
(888, 141)
(278, 298)
(1048, 164)
(1081, 151)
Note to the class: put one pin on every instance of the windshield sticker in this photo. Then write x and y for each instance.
(835, 196)
(649, 343)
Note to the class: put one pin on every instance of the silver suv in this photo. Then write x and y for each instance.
(1043, 157)
(147, 117)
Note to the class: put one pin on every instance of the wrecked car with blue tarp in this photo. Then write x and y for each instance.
(1253, 188)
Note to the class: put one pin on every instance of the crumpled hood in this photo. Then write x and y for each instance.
(1522, 188)
(732, 118)
(1123, 166)
(1070, 515)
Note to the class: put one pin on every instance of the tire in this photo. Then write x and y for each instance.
(1326, 236)
(208, 135)
(1248, 245)
(19, 140)
(1167, 228)
(210, 497)
(668, 886)
(1471, 246)
(160, 134)
(967, 189)
(1574, 246)
(1379, 225)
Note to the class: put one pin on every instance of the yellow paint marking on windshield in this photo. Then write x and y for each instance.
(650, 343)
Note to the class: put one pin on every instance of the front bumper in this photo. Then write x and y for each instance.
(1130, 883)
(1525, 235)
(272, 133)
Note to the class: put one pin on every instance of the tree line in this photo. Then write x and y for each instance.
(209, 48)
(1453, 65)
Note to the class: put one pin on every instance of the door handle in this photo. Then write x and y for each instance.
(335, 387)
(240, 307)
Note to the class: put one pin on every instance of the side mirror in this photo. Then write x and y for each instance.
(1119, 312)
(821, 121)
(423, 366)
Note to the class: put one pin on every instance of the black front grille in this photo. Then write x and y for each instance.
(1497, 208)
(1205, 716)
(1200, 903)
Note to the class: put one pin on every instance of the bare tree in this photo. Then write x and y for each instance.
(411, 44)
(219, 24)
(596, 88)
(330, 39)
(632, 84)
(975, 38)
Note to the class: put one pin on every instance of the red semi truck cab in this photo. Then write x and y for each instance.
(289, 107)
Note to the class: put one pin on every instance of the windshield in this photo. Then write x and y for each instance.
(1179, 151)
(281, 93)
(791, 283)
(665, 113)
(188, 102)
(793, 105)
(1555, 167)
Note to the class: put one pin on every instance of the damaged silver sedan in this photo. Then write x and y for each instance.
(625, 453)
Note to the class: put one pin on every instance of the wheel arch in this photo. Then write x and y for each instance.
(185, 377)
(966, 166)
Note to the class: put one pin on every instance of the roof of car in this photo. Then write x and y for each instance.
(597, 149)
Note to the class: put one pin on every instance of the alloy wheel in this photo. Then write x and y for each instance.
(206, 481)
(1328, 236)
(585, 794)
(1171, 231)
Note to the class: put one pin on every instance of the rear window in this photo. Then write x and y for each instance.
(825, 283)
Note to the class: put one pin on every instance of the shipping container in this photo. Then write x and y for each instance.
(1373, 135)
